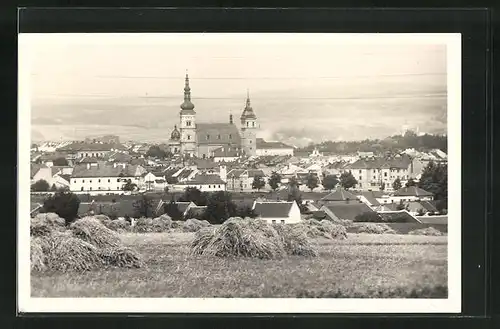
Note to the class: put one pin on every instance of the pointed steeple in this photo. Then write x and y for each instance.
(187, 106)
(248, 111)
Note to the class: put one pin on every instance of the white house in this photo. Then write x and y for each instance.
(411, 193)
(203, 182)
(225, 154)
(241, 179)
(102, 178)
(276, 212)
(272, 148)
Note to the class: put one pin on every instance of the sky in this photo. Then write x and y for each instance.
(303, 87)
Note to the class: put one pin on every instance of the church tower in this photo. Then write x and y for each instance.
(187, 123)
(248, 129)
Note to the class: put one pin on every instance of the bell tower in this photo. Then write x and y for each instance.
(249, 129)
(187, 127)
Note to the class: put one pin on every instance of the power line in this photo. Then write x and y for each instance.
(434, 95)
(268, 78)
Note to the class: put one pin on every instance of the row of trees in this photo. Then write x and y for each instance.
(43, 186)
(390, 144)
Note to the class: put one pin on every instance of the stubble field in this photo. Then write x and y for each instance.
(364, 265)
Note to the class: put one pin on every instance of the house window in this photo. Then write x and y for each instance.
(83, 180)
(99, 180)
(282, 221)
(248, 124)
(360, 171)
(91, 188)
(230, 136)
(218, 136)
(360, 178)
(109, 180)
(273, 221)
(188, 123)
(99, 188)
(208, 137)
(250, 142)
(74, 181)
(385, 174)
(81, 189)
(91, 181)
(253, 124)
(189, 137)
(219, 186)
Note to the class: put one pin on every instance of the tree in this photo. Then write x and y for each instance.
(312, 181)
(396, 185)
(368, 216)
(410, 182)
(246, 212)
(40, 186)
(330, 181)
(129, 186)
(61, 161)
(156, 152)
(258, 182)
(434, 179)
(64, 204)
(144, 206)
(172, 210)
(274, 181)
(347, 180)
(382, 186)
(53, 188)
(220, 207)
(192, 194)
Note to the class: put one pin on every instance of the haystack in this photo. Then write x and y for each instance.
(238, 237)
(375, 228)
(143, 225)
(94, 232)
(121, 257)
(44, 224)
(69, 253)
(295, 240)
(102, 218)
(118, 225)
(38, 250)
(429, 231)
(333, 230)
(194, 225)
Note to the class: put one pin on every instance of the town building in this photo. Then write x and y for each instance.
(278, 212)
(265, 148)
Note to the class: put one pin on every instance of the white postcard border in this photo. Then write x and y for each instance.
(28, 304)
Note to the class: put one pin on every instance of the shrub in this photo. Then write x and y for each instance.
(333, 230)
(121, 257)
(373, 228)
(93, 231)
(44, 224)
(194, 225)
(65, 204)
(238, 237)
(40, 186)
(69, 253)
(431, 231)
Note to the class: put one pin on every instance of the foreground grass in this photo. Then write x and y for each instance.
(362, 266)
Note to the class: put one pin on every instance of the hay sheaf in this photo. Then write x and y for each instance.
(69, 253)
(429, 231)
(335, 231)
(44, 224)
(143, 225)
(121, 257)
(94, 232)
(295, 240)
(375, 228)
(38, 253)
(239, 237)
(322, 229)
(194, 225)
(118, 225)
(101, 217)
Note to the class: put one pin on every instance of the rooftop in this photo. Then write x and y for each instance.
(412, 191)
(273, 209)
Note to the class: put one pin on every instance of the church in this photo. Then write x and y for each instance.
(200, 140)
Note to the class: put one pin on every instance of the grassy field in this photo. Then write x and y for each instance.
(364, 265)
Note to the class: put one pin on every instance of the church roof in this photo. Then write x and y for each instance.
(217, 134)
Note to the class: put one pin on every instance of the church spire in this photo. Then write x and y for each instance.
(248, 112)
(187, 107)
(248, 99)
(187, 89)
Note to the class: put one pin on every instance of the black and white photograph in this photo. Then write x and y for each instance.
(243, 172)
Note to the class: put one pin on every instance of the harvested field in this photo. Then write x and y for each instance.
(363, 265)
